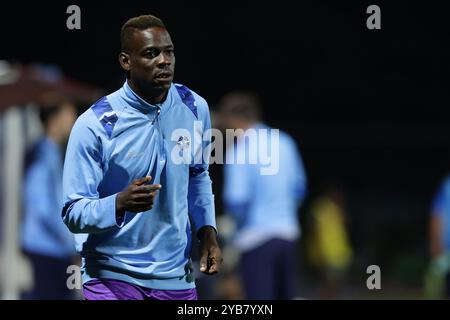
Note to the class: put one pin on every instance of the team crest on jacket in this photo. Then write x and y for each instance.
(183, 142)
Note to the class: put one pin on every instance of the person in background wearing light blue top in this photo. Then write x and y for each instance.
(264, 206)
(439, 235)
(136, 176)
(45, 239)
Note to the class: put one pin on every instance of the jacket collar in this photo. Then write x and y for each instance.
(134, 100)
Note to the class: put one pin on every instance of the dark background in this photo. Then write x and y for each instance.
(368, 108)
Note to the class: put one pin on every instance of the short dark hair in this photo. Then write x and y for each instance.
(137, 23)
(242, 104)
(47, 112)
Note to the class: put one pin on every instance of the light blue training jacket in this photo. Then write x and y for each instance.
(122, 138)
(43, 233)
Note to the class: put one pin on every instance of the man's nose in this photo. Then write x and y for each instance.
(164, 60)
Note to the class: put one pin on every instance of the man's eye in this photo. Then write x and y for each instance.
(152, 54)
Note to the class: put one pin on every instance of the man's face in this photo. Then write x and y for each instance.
(66, 118)
(229, 119)
(151, 60)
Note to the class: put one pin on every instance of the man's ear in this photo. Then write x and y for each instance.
(124, 60)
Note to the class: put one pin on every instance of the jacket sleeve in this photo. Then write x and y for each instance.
(300, 183)
(40, 201)
(237, 187)
(84, 211)
(440, 200)
(200, 195)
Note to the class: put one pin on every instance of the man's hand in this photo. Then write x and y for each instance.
(137, 197)
(210, 253)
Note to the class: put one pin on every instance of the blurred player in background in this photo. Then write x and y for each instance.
(127, 196)
(45, 239)
(439, 233)
(263, 206)
(328, 245)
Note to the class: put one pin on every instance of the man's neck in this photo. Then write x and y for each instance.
(53, 135)
(152, 99)
(247, 125)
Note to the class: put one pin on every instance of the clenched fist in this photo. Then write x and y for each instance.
(137, 197)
